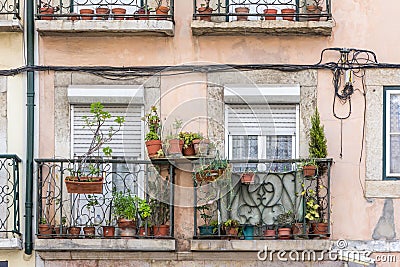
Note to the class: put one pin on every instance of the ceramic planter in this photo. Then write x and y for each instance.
(143, 232)
(270, 11)
(161, 230)
(84, 185)
(119, 11)
(242, 10)
(248, 232)
(189, 151)
(233, 231)
(108, 231)
(206, 230)
(162, 11)
(288, 11)
(74, 231)
(175, 147)
(153, 146)
(284, 233)
(60, 232)
(125, 223)
(270, 234)
(46, 11)
(86, 11)
(309, 170)
(102, 11)
(89, 231)
(45, 230)
(247, 178)
(320, 230)
(142, 12)
(205, 10)
(299, 231)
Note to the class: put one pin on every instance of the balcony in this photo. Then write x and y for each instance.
(97, 18)
(246, 214)
(262, 17)
(10, 17)
(91, 221)
(9, 202)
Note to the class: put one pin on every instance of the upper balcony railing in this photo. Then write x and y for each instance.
(243, 10)
(105, 10)
(9, 9)
(274, 195)
(127, 186)
(9, 196)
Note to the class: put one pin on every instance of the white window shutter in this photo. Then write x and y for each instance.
(126, 143)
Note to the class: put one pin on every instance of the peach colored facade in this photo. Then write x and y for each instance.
(357, 24)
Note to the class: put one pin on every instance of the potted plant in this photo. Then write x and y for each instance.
(162, 8)
(61, 229)
(173, 143)
(270, 232)
(206, 228)
(232, 227)
(319, 228)
(74, 230)
(288, 13)
(284, 221)
(314, 9)
(317, 147)
(242, 10)
(205, 9)
(86, 178)
(144, 10)
(144, 211)
(105, 11)
(108, 229)
(200, 144)
(160, 217)
(247, 177)
(119, 11)
(270, 13)
(188, 137)
(47, 9)
(211, 171)
(309, 168)
(45, 228)
(125, 211)
(153, 140)
(86, 13)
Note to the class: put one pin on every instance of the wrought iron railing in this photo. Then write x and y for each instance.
(9, 196)
(105, 9)
(242, 10)
(269, 200)
(9, 9)
(60, 213)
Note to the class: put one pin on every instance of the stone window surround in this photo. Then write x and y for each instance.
(375, 186)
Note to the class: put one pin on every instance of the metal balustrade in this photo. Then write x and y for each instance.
(243, 10)
(60, 210)
(9, 9)
(104, 10)
(9, 196)
(257, 205)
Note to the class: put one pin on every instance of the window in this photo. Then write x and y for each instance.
(262, 131)
(392, 132)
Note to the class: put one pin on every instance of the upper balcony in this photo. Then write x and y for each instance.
(10, 16)
(94, 18)
(262, 17)
(9, 202)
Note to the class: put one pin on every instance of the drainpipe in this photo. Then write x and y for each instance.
(30, 97)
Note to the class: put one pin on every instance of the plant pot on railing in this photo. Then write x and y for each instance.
(272, 12)
(300, 231)
(102, 11)
(108, 231)
(85, 12)
(161, 230)
(119, 11)
(242, 10)
(89, 231)
(248, 232)
(162, 11)
(284, 233)
(319, 230)
(46, 11)
(153, 146)
(205, 230)
(309, 170)
(189, 150)
(143, 231)
(84, 185)
(201, 146)
(247, 178)
(175, 147)
(45, 230)
(313, 12)
(205, 10)
(141, 12)
(289, 12)
(74, 231)
(60, 232)
(270, 234)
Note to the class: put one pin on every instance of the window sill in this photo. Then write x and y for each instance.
(13, 25)
(382, 189)
(257, 245)
(89, 28)
(105, 245)
(10, 243)
(265, 27)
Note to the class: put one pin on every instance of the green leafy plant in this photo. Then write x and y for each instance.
(159, 202)
(124, 205)
(317, 147)
(42, 220)
(232, 223)
(312, 206)
(153, 123)
(144, 209)
(204, 212)
(285, 219)
(188, 138)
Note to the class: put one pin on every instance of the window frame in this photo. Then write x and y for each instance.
(387, 92)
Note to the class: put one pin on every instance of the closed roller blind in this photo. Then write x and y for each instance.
(272, 119)
(127, 142)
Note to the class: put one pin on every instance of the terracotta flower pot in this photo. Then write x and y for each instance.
(47, 11)
(142, 231)
(89, 231)
(247, 178)
(119, 11)
(142, 11)
(288, 11)
(108, 231)
(84, 185)
(152, 147)
(45, 230)
(102, 11)
(74, 231)
(125, 223)
(232, 231)
(270, 11)
(85, 12)
(313, 13)
(320, 230)
(242, 10)
(270, 234)
(189, 151)
(175, 147)
(161, 230)
(284, 233)
(204, 10)
(298, 230)
(162, 11)
(73, 16)
(309, 170)
(127, 232)
(59, 233)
